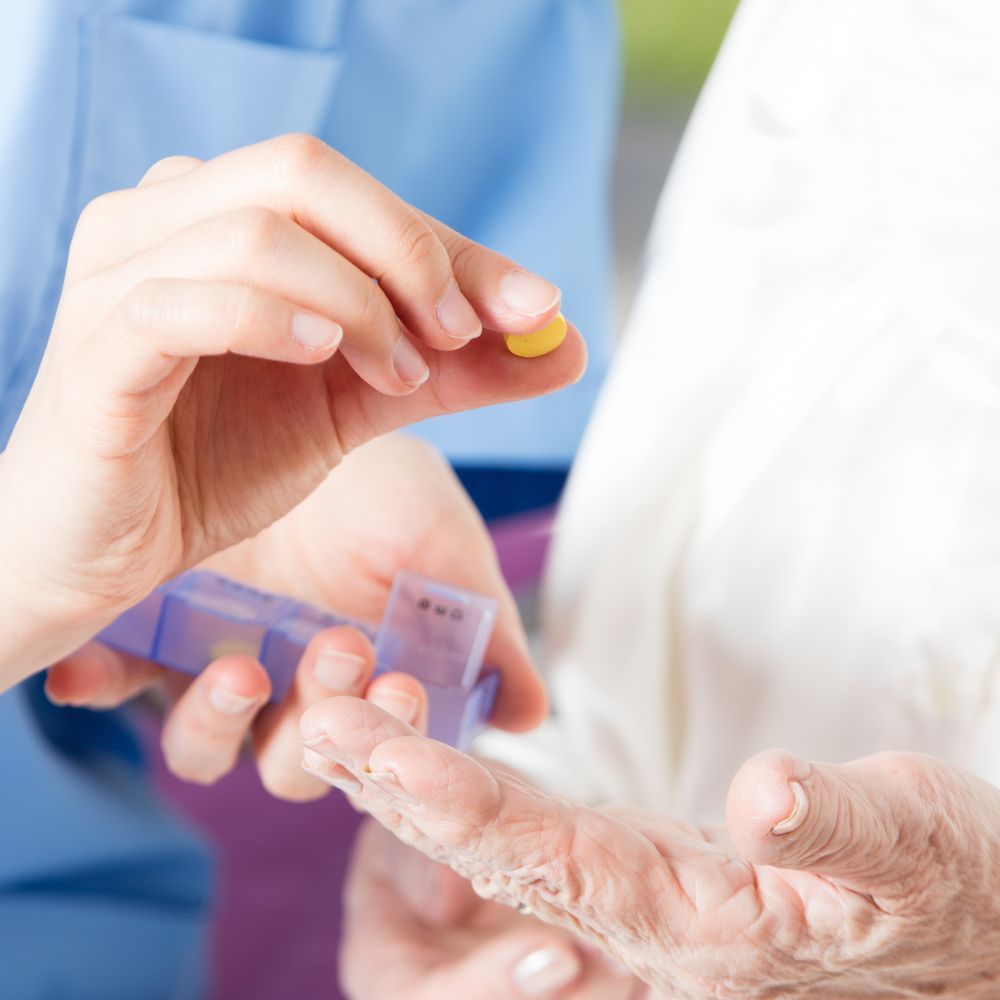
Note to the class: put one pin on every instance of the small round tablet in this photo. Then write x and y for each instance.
(534, 345)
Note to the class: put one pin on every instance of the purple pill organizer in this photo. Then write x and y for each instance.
(433, 631)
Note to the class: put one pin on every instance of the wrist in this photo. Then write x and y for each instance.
(34, 632)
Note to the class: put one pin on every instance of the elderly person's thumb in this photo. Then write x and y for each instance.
(867, 824)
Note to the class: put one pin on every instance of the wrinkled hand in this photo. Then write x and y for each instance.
(878, 878)
(393, 503)
(414, 930)
(227, 332)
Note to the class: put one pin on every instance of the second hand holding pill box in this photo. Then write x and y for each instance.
(431, 630)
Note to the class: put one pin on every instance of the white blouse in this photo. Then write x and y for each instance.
(783, 528)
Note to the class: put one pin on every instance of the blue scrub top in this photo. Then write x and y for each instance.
(496, 117)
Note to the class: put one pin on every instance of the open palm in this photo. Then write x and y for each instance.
(871, 879)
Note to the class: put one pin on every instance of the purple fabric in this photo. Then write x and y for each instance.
(281, 869)
(281, 865)
(522, 543)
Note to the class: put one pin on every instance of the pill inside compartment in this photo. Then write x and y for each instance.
(206, 616)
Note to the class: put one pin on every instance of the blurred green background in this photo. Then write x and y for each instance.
(669, 47)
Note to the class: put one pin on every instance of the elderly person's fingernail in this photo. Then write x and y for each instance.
(545, 971)
(800, 809)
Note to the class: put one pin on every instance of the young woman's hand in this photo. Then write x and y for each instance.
(227, 332)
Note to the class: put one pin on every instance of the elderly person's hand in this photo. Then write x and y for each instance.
(227, 332)
(878, 878)
(393, 503)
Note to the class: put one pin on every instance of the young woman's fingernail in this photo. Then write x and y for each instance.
(799, 811)
(457, 318)
(319, 767)
(316, 332)
(528, 294)
(230, 703)
(337, 670)
(410, 366)
(397, 703)
(545, 971)
(387, 782)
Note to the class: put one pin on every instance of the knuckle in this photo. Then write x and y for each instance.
(298, 154)
(242, 307)
(375, 311)
(97, 212)
(465, 257)
(925, 803)
(144, 304)
(168, 166)
(418, 245)
(257, 229)
(97, 237)
(95, 220)
(915, 776)
(895, 824)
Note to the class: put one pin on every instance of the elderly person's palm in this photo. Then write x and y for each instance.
(887, 886)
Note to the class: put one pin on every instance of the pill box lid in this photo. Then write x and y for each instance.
(434, 631)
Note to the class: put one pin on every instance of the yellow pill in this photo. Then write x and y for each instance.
(534, 345)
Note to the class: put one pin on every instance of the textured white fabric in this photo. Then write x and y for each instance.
(784, 526)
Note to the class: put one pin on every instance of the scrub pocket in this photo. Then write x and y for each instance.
(150, 89)
(146, 90)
